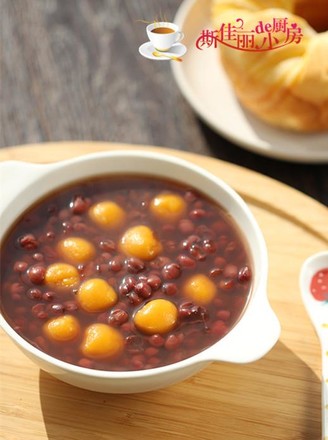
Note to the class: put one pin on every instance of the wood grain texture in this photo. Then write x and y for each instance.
(276, 398)
(70, 70)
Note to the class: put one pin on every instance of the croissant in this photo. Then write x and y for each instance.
(286, 85)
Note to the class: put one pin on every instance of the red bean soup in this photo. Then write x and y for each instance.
(124, 273)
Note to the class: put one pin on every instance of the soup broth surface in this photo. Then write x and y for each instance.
(124, 273)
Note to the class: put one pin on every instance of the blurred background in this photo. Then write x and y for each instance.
(71, 70)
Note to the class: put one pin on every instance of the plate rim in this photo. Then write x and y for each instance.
(312, 156)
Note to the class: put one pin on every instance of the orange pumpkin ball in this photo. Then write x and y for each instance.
(102, 341)
(96, 295)
(200, 289)
(168, 207)
(76, 250)
(63, 328)
(140, 241)
(107, 215)
(156, 316)
(61, 276)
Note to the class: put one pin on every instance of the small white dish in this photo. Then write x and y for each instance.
(147, 49)
(318, 313)
(205, 85)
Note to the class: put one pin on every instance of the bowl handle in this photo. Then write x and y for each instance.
(14, 176)
(253, 337)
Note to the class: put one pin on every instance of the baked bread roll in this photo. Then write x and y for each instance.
(285, 86)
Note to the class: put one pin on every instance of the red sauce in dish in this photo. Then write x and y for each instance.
(319, 285)
(124, 273)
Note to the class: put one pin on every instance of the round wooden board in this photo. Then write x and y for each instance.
(277, 397)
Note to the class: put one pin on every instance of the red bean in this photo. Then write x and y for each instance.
(118, 317)
(135, 265)
(226, 284)
(36, 274)
(220, 227)
(220, 262)
(222, 242)
(40, 342)
(85, 363)
(171, 271)
(49, 253)
(116, 264)
(197, 214)
(80, 227)
(48, 296)
(127, 284)
(172, 342)
(192, 312)
(102, 268)
(153, 362)
(151, 351)
(107, 245)
(20, 266)
(186, 262)
(154, 281)
(64, 214)
(50, 236)
(38, 308)
(134, 298)
(159, 262)
(80, 205)
(57, 308)
(138, 361)
(230, 271)
(34, 293)
(216, 272)
(156, 340)
(105, 257)
(20, 323)
(223, 315)
(70, 306)
(185, 244)
(170, 289)
(28, 242)
(197, 252)
(17, 289)
(244, 274)
(170, 246)
(143, 289)
(38, 257)
(168, 228)
(134, 344)
(186, 226)
(218, 328)
(190, 196)
(42, 315)
(88, 270)
(230, 248)
(209, 246)
(67, 227)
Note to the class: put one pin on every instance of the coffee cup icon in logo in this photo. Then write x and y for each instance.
(164, 42)
(163, 35)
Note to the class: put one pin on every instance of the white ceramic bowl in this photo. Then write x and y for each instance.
(252, 337)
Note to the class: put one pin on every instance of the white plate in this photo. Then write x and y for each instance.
(147, 49)
(204, 84)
